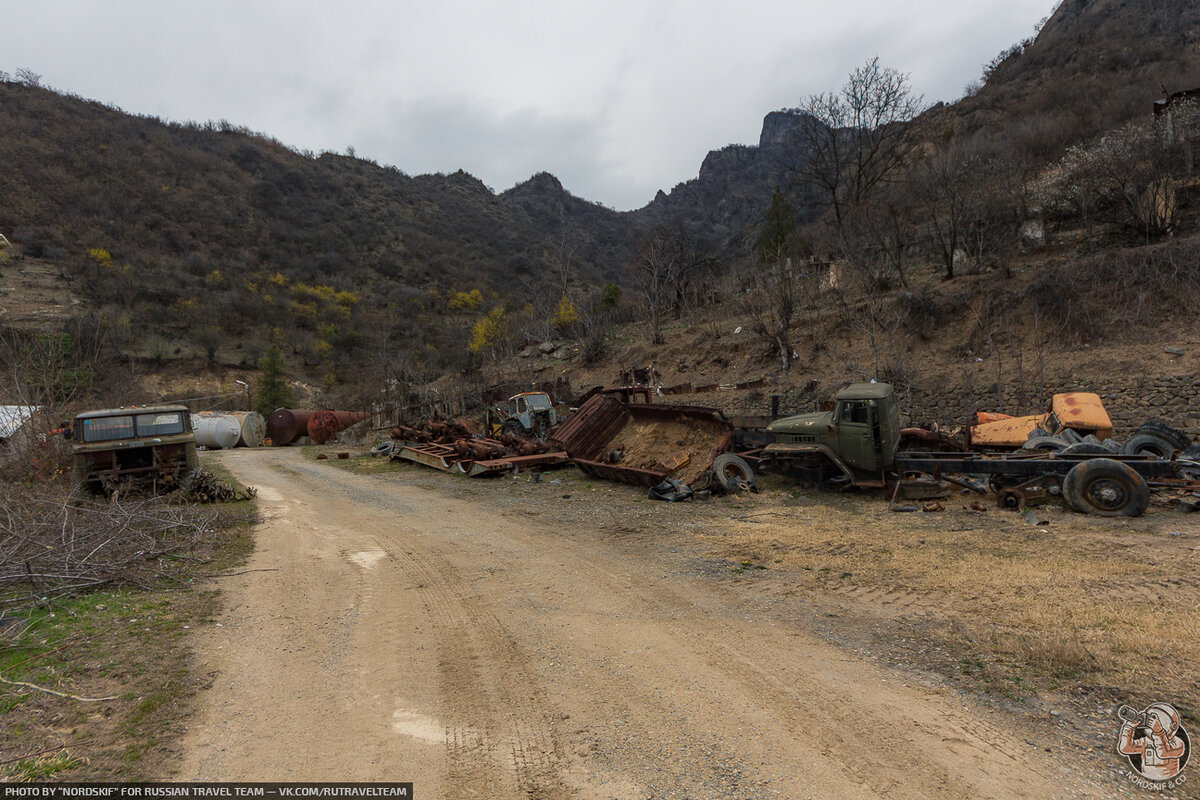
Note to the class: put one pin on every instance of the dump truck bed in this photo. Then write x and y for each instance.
(656, 441)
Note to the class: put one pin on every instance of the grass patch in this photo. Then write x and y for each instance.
(42, 768)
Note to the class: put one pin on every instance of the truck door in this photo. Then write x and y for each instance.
(521, 412)
(857, 434)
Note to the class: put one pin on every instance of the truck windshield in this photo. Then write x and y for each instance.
(160, 424)
(105, 429)
(538, 402)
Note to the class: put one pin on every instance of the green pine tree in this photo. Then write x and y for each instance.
(777, 236)
(273, 391)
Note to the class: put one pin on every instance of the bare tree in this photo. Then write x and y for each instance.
(655, 272)
(848, 143)
(887, 227)
(940, 186)
(777, 284)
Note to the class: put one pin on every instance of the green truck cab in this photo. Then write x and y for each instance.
(858, 439)
(152, 445)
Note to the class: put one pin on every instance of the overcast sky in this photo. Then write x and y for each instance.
(617, 98)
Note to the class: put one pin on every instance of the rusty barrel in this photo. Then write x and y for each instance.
(287, 425)
(323, 426)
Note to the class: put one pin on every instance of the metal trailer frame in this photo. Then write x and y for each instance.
(1017, 465)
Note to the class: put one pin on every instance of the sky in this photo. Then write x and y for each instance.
(617, 98)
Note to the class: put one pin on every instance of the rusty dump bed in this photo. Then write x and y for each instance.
(656, 441)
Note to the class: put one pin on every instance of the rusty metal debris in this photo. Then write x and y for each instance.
(1081, 412)
(451, 447)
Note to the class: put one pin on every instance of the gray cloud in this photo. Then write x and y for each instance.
(617, 98)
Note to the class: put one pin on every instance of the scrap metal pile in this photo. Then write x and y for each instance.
(459, 445)
(1067, 452)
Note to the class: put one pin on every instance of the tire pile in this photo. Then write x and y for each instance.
(1154, 438)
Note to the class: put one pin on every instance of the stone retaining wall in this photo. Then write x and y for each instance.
(1175, 399)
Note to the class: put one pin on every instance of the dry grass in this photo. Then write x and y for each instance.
(1081, 601)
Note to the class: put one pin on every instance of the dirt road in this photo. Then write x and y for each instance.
(390, 631)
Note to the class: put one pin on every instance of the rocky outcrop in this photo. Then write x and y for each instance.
(733, 190)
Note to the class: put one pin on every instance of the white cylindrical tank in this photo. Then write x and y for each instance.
(254, 428)
(216, 432)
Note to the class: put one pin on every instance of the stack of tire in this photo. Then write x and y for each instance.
(1154, 438)
(1105, 486)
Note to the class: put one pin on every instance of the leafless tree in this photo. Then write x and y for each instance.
(655, 272)
(849, 143)
(778, 289)
(940, 187)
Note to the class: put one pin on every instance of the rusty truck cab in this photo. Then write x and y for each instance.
(147, 445)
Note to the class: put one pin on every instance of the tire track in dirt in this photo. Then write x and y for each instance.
(484, 676)
(678, 687)
(873, 737)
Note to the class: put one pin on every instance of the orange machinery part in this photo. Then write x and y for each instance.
(1080, 411)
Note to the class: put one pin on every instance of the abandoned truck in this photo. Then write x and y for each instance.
(857, 444)
(527, 414)
(151, 446)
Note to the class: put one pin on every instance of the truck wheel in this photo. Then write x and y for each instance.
(1047, 444)
(1107, 488)
(732, 473)
(1162, 430)
(1148, 443)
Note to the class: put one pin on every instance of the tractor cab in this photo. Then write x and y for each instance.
(529, 414)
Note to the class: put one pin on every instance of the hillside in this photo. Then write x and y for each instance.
(1093, 65)
(728, 199)
(188, 249)
(187, 232)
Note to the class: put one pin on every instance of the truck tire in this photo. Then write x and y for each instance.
(1047, 444)
(383, 449)
(1085, 449)
(1070, 436)
(1164, 431)
(733, 474)
(1106, 488)
(1141, 444)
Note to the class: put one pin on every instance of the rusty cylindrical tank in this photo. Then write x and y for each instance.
(323, 426)
(347, 418)
(287, 425)
(216, 432)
